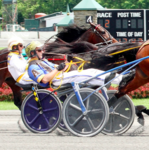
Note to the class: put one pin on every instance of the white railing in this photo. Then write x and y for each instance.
(27, 34)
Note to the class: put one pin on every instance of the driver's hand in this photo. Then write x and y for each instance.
(66, 63)
(61, 66)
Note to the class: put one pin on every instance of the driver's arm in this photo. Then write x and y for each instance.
(48, 77)
(17, 63)
(39, 76)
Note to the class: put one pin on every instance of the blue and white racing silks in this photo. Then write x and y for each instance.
(38, 69)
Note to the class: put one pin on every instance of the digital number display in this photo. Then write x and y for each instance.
(100, 21)
(105, 23)
(118, 24)
(123, 24)
(140, 23)
(133, 23)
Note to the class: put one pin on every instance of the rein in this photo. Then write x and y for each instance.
(3, 68)
(82, 61)
(3, 61)
(5, 53)
(124, 50)
(49, 39)
(98, 44)
(80, 68)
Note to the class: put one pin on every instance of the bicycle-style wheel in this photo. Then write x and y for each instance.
(93, 121)
(121, 117)
(46, 121)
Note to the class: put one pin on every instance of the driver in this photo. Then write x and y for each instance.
(42, 71)
(17, 65)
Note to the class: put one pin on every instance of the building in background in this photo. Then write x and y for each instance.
(85, 12)
(66, 21)
(43, 22)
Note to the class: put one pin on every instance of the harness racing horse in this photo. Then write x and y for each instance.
(79, 40)
(96, 34)
(140, 78)
(90, 52)
(73, 34)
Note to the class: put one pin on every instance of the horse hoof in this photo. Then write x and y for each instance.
(141, 121)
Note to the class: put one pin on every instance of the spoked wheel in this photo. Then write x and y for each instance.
(93, 121)
(36, 121)
(121, 116)
(62, 125)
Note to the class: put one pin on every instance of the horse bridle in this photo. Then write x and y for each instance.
(97, 33)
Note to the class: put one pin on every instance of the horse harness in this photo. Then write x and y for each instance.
(97, 33)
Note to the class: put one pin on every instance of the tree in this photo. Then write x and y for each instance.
(29, 8)
(128, 4)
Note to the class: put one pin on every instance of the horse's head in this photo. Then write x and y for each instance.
(94, 35)
(103, 33)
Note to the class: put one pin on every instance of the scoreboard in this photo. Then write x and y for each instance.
(125, 25)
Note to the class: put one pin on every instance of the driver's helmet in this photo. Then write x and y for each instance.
(14, 41)
(31, 48)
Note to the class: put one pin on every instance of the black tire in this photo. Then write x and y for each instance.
(88, 124)
(44, 122)
(122, 118)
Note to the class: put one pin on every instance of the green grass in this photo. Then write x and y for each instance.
(6, 105)
(2, 48)
(143, 101)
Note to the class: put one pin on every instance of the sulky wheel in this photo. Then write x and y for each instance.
(93, 121)
(36, 121)
(121, 116)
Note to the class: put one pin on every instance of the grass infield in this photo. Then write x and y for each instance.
(2, 48)
(6, 105)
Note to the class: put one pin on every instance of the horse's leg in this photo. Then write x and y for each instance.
(130, 86)
(139, 80)
(16, 91)
(3, 74)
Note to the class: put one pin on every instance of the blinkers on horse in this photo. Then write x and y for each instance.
(102, 34)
